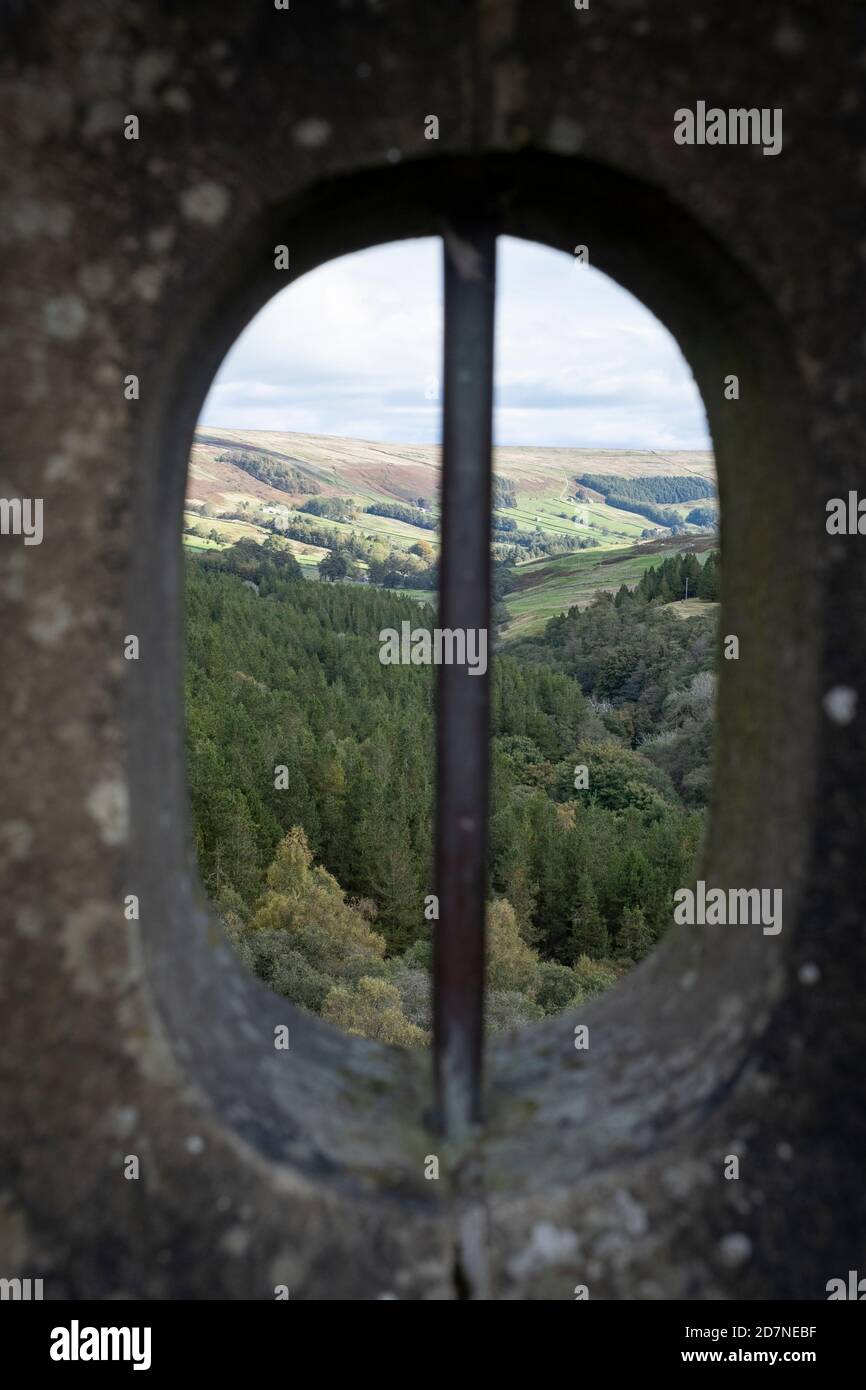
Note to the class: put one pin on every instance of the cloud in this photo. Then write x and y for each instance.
(354, 349)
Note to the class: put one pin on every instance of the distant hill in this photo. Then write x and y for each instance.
(543, 588)
(540, 483)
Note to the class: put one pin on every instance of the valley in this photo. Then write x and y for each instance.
(311, 715)
(558, 542)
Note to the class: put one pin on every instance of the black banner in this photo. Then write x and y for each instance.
(157, 1339)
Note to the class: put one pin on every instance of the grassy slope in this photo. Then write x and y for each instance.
(231, 531)
(691, 608)
(551, 586)
(370, 472)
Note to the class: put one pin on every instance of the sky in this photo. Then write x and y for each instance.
(354, 349)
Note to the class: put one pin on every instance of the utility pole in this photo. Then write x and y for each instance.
(687, 588)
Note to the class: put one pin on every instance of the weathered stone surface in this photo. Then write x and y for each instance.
(258, 1167)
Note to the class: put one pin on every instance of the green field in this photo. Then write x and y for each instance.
(605, 524)
(307, 556)
(552, 586)
(544, 482)
(199, 543)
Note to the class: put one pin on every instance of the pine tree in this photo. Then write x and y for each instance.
(692, 573)
(334, 566)
(648, 584)
(664, 593)
(634, 939)
(708, 584)
(589, 935)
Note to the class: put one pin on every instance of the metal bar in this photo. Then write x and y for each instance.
(463, 698)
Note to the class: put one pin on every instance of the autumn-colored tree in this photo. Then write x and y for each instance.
(511, 964)
(372, 1009)
(304, 914)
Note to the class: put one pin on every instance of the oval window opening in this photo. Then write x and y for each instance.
(312, 543)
